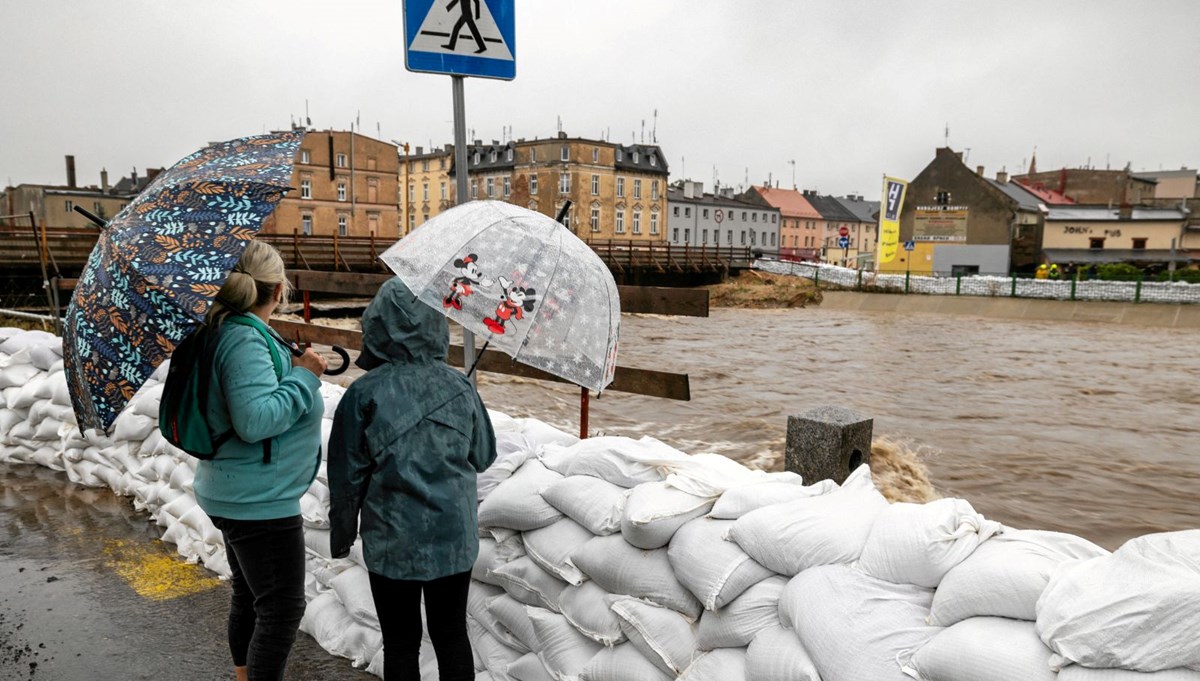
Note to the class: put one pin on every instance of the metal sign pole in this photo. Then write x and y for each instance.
(460, 180)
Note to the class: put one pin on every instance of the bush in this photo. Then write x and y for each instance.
(1118, 271)
(1190, 276)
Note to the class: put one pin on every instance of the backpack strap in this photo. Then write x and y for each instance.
(275, 345)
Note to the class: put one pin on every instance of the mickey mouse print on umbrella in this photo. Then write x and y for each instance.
(522, 281)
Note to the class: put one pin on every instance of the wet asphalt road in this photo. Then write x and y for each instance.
(89, 593)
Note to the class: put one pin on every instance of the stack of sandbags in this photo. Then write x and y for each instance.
(35, 408)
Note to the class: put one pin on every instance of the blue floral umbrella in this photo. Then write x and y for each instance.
(160, 262)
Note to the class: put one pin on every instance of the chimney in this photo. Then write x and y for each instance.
(420, 150)
(1125, 212)
(689, 191)
(134, 177)
(71, 171)
(562, 135)
(1002, 177)
(979, 170)
(104, 179)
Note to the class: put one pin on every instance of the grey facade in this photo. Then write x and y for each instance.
(971, 260)
(698, 219)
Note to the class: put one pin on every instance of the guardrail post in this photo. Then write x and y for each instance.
(827, 443)
(1137, 292)
(295, 247)
(906, 276)
(859, 285)
(816, 276)
(1072, 288)
(1014, 285)
(958, 285)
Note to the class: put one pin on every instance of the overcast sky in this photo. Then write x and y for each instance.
(848, 89)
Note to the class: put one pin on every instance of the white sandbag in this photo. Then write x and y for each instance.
(131, 427)
(49, 457)
(61, 394)
(739, 501)
(736, 624)
(529, 667)
(664, 637)
(623, 569)
(493, 554)
(8, 419)
(919, 543)
(317, 541)
(714, 570)
(776, 654)
(495, 655)
(511, 618)
(45, 356)
(854, 626)
(331, 395)
(16, 375)
(542, 433)
(516, 503)
(563, 650)
(146, 401)
(1006, 575)
(551, 548)
(589, 609)
(313, 512)
(47, 430)
(1077, 673)
(623, 461)
(722, 664)
(823, 530)
(353, 588)
(1137, 609)
(512, 451)
(595, 504)
(28, 339)
(478, 597)
(527, 582)
(32, 390)
(557, 459)
(622, 663)
(655, 511)
(983, 649)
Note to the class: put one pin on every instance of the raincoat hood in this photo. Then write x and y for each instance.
(399, 328)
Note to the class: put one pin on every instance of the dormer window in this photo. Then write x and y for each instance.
(653, 160)
(620, 155)
(565, 155)
(509, 154)
(492, 156)
(635, 157)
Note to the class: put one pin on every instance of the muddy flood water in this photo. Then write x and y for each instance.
(1079, 427)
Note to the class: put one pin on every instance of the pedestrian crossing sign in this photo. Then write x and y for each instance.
(461, 37)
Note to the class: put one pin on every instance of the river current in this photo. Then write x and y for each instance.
(1080, 427)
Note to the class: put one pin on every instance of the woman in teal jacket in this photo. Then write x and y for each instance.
(251, 489)
(407, 441)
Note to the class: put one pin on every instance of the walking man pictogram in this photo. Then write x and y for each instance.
(468, 19)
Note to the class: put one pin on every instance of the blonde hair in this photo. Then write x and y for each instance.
(251, 283)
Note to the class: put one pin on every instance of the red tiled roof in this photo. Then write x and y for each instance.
(1047, 196)
(791, 203)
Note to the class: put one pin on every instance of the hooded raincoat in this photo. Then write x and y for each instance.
(407, 442)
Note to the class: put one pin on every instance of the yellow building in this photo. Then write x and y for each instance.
(54, 205)
(1098, 234)
(345, 184)
(427, 187)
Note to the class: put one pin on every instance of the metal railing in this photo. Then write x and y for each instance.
(1122, 288)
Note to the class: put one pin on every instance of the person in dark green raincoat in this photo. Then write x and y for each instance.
(407, 442)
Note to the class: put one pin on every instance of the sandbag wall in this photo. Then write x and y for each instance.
(613, 558)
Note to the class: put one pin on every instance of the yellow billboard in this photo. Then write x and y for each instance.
(889, 218)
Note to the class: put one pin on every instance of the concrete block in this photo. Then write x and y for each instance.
(827, 444)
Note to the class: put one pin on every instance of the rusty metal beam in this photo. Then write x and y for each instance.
(648, 382)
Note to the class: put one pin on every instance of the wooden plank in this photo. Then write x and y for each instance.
(685, 302)
(344, 283)
(648, 382)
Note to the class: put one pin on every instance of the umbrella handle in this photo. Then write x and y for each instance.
(297, 351)
(88, 214)
(478, 357)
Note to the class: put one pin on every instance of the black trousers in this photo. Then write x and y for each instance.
(267, 561)
(398, 602)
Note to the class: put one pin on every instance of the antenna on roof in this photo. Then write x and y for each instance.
(947, 135)
(683, 166)
(307, 120)
(643, 131)
(654, 130)
(966, 154)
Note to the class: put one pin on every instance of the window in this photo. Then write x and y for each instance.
(306, 224)
(425, 166)
(566, 218)
(443, 191)
(653, 160)
(341, 191)
(425, 191)
(474, 189)
(564, 183)
(732, 216)
(774, 218)
(492, 156)
(743, 237)
(595, 220)
(637, 189)
(341, 160)
(412, 222)
(753, 234)
(675, 211)
(533, 155)
(533, 184)
(565, 153)
(475, 158)
(507, 187)
(772, 239)
(620, 221)
(595, 154)
(1096, 242)
(595, 185)
(942, 198)
(654, 190)
(754, 217)
(705, 239)
(508, 154)
(620, 155)
(637, 222)
(636, 155)
(705, 213)
(305, 156)
(675, 234)
(687, 211)
(490, 183)
(341, 225)
(728, 238)
(1139, 244)
(743, 216)
(100, 211)
(687, 236)
(620, 187)
(654, 222)
(70, 206)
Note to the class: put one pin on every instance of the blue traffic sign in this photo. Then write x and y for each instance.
(844, 242)
(461, 37)
(910, 245)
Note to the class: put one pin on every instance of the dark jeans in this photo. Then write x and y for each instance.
(267, 561)
(398, 602)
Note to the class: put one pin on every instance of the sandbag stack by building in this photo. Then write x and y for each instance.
(612, 559)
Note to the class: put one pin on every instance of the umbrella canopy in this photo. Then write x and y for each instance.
(160, 262)
(522, 281)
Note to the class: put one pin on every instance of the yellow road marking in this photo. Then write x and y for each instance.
(154, 574)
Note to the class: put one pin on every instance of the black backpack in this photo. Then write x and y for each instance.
(182, 414)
